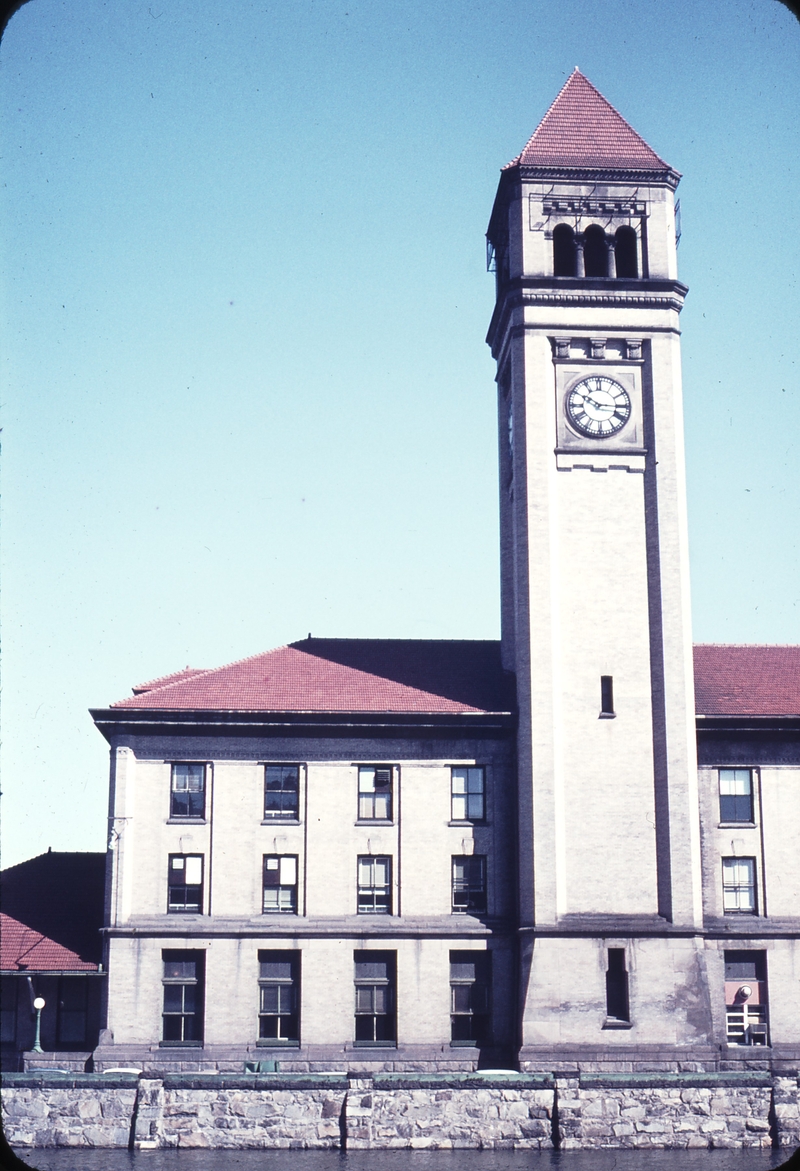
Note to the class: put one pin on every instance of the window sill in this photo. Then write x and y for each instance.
(612, 1022)
(180, 1044)
(467, 823)
(737, 825)
(186, 821)
(288, 913)
(271, 1043)
(750, 914)
(281, 821)
(374, 821)
(196, 914)
(464, 1045)
(607, 716)
(374, 1044)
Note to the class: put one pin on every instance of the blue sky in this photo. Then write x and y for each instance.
(245, 385)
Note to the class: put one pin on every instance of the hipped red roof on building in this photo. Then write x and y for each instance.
(24, 950)
(582, 129)
(346, 675)
(747, 680)
(415, 675)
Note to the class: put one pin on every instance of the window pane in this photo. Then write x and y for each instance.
(462, 999)
(459, 808)
(288, 871)
(276, 970)
(179, 969)
(365, 1028)
(371, 970)
(462, 971)
(177, 863)
(475, 806)
(475, 780)
(194, 870)
(366, 780)
(459, 780)
(173, 1028)
(364, 999)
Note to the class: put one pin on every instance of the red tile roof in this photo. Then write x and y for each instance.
(24, 950)
(582, 129)
(347, 675)
(415, 675)
(747, 680)
(175, 677)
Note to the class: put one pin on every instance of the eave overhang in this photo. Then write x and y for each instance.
(116, 723)
(763, 725)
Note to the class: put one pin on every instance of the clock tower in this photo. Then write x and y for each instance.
(595, 582)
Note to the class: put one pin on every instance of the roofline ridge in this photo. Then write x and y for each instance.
(206, 671)
(514, 161)
(147, 684)
(787, 645)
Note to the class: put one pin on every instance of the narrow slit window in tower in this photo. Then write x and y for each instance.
(595, 252)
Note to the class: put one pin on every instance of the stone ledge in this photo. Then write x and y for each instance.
(665, 1081)
(52, 1080)
(250, 1081)
(465, 1081)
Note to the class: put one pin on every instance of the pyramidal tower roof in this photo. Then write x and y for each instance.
(581, 129)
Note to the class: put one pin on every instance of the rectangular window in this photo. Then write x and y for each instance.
(469, 883)
(280, 883)
(8, 1009)
(185, 884)
(374, 885)
(375, 793)
(281, 792)
(739, 885)
(374, 989)
(469, 998)
(279, 998)
(735, 794)
(617, 1008)
(746, 997)
(72, 1005)
(183, 997)
(607, 695)
(188, 790)
(467, 794)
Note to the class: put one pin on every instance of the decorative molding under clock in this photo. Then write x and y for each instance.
(618, 461)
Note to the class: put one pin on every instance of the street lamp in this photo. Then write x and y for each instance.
(38, 1005)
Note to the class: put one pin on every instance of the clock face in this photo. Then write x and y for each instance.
(598, 406)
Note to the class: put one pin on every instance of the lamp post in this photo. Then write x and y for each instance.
(38, 1005)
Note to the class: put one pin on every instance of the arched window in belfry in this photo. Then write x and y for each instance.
(563, 251)
(595, 252)
(626, 252)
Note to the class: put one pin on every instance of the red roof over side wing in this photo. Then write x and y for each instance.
(740, 680)
(24, 950)
(582, 129)
(347, 675)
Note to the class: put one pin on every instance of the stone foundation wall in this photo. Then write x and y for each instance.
(69, 1116)
(272, 1111)
(438, 1116)
(673, 1117)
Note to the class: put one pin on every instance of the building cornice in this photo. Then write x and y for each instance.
(297, 927)
(712, 724)
(584, 293)
(115, 723)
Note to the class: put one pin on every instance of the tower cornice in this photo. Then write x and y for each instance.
(600, 292)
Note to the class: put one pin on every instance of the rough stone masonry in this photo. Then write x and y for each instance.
(436, 1112)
